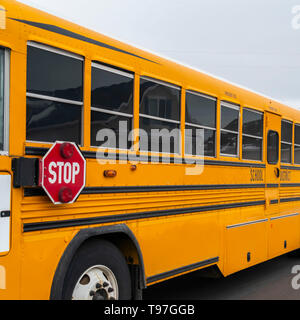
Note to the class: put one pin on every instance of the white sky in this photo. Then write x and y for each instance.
(249, 42)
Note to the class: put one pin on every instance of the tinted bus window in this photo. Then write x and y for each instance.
(252, 134)
(200, 119)
(112, 106)
(297, 144)
(54, 95)
(160, 116)
(286, 141)
(273, 147)
(54, 75)
(230, 116)
(52, 121)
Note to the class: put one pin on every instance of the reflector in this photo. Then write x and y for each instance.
(65, 195)
(67, 150)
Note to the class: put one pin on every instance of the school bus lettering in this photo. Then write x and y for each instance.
(256, 175)
(285, 175)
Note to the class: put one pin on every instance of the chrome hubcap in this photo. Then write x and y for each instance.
(96, 283)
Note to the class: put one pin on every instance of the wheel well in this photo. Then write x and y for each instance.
(119, 235)
(122, 242)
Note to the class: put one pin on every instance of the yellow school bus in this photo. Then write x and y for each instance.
(135, 223)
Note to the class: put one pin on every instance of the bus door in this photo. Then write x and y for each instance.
(272, 180)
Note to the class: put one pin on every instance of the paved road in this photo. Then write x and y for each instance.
(267, 281)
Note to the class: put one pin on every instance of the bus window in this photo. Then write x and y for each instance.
(112, 105)
(230, 117)
(160, 110)
(200, 114)
(54, 95)
(286, 141)
(273, 147)
(252, 134)
(297, 144)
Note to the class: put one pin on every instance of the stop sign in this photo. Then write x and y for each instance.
(63, 172)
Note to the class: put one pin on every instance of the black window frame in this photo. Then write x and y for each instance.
(268, 153)
(77, 103)
(198, 126)
(125, 73)
(253, 136)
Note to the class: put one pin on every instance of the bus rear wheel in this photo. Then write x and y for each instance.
(98, 271)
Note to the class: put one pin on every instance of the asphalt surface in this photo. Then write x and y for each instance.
(271, 280)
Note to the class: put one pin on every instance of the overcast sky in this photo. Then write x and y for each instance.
(250, 42)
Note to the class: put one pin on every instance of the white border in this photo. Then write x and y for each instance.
(100, 66)
(49, 98)
(196, 93)
(59, 51)
(161, 82)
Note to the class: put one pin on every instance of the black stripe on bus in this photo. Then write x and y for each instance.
(290, 199)
(290, 168)
(36, 151)
(31, 192)
(272, 185)
(177, 271)
(70, 34)
(39, 226)
(97, 190)
(287, 185)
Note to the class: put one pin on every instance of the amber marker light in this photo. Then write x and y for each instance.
(110, 173)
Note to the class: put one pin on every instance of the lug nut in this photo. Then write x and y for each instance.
(98, 285)
(110, 290)
(92, 293)
(105, 284)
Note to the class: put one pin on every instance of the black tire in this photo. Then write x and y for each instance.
(99, 252)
